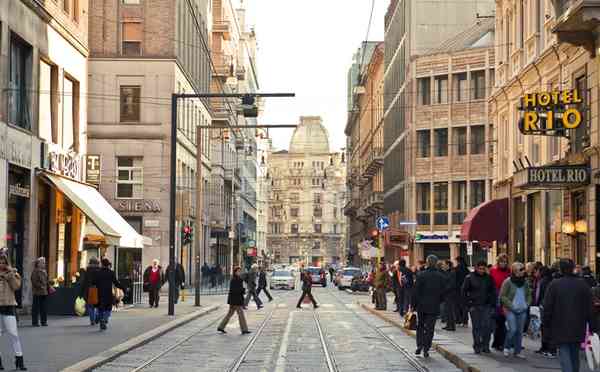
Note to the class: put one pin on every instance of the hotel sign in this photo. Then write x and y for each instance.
(546, 113)
(562, 176)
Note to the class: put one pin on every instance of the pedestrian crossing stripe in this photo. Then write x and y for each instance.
(328, 305)
(282, 305)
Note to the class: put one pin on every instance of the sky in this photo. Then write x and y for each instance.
(306, 47)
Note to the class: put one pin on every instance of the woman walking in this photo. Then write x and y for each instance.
(10, 281)
(104, 280)
(235, 300)
(306, 289)
(88, 277)
(39, 287)
(515, 297)
(153, 280)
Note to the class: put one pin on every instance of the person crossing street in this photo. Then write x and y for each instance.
(306, 290)
(251, 278)
(235, 300)
(262, 284)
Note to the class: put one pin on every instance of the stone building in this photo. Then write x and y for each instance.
(308, 193)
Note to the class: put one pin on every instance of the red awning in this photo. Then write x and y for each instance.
(487, 222)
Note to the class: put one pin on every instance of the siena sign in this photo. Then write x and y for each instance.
(553, 176)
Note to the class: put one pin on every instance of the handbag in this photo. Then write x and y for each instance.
(410, 320)
(51, 290)
(92, 296)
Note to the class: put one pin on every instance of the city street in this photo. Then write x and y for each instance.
(339, 336)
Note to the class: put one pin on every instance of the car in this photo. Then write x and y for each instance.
(317, 275)
(283, 279)
(345, 279)
(360, 284)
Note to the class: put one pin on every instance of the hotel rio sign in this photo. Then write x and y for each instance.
(550, 113)
(561, 176)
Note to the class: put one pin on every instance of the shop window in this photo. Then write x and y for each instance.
(294, 228)
(461, 90)
(19, 102)
(424, 87)
(424, 143)
(441, 142)
(477, 139)
(460, 140)
(440, 203)
(317, 228)
(423, 203)
(48, 103)
(132, 39)
(477, 193)
(478, 84)
(441, 89)
(130, 103)
(129, 177)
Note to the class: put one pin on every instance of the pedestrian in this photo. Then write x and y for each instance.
(499, 273)
(104, 279)
(395, 279)
(92, 310)
(153, 280)
(262, 284)
(479, 292)
(381, 284)
(205, 270)
(306, 290)
(544, 278)
(219, 274)
(515, 297)
(462, 310)
(595, 313)
(39, 288)
(235, 300)
(429, 291)
(10, 282)
(567, 311)
(251, 278)
(406, 281)
(588, 276)
(451, 297)
(332, 275)
(179, 279)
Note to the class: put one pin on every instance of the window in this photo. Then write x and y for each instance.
(579, 135)
(423, 203)
(70, 114)
(440, 203)
(460, 140)
(459, 201)
(48, 102)
(294, 228)
(424, 86)
(335, 229)
(295, 197)
(477, 193)
(317, 198)
(554, 147)
(478, 84)
(461, 92)
(129, 177)
(317, 245)
(335, 212)
(477, 139)
(132, 39)
(424, 143)
(76, 10)
(135, 222)
(317, 228)
(130, 103)
(66, 6)
(441, 142)
(20, 80)
(441, 89)
(318, 212)
(294, 212)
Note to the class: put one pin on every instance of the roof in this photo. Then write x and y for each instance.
(310, 136)
(479, 35)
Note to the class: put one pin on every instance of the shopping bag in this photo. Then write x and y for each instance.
(410, 320)
(596, 347)
(587, 348)
(79, 306)
(92, 296)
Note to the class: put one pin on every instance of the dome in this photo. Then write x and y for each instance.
(310, 136)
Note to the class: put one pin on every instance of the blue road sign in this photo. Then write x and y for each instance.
(383, 223)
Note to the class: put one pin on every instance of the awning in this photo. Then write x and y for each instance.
(487, 222)
(108, 221)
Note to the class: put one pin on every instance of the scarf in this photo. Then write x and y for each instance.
(519, 282)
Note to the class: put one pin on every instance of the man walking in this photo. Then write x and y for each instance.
(251, 284)
(479, 293)
(499, 274)
(462, 271)
(306, 290)
(262, 284)
(451, 298)
(428, 295)
(567, 310)
(406, 282)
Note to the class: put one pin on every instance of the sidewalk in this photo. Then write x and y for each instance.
(68, 340)
(457, 347)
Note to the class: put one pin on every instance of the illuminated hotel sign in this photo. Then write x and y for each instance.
(547, 113)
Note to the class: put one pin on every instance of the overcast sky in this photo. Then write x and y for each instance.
(306, 47)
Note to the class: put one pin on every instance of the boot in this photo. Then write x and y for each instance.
(19, 365)
(1, 366)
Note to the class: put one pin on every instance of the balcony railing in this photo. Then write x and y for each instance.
(222, 27)
(351, 207)
(375, 202)
(373, 162)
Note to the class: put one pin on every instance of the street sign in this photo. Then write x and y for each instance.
(383, 223)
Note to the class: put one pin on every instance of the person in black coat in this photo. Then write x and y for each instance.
(104, 279)
(567, 311)
(179, 278)
(544, 275)
(451, 299)
(428, 295)
(86, 283)
(479, 292)
(235, 300)
(306, 289)
(462, 309)
(262, 284)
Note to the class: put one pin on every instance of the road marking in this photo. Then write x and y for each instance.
(328, 305)
(281, 359)
(282, 305)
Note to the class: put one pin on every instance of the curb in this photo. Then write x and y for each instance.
(447, 354)
(108, 355)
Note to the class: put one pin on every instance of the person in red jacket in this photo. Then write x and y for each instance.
(499, 273)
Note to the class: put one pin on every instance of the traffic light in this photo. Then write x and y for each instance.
(187, 234)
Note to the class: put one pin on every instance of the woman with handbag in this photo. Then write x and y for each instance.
(88, 277)
(40, 289)
(104, 280)
(10, 281)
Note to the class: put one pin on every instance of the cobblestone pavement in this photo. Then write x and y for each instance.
(339, 336)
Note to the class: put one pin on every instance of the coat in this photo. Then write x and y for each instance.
(429, 291)
(104, 279)
(461, 274)
(479, 290)
(251, 280)
(86, 282)
(508, 291)
(382, 279)
(39, 282)
(499, 276)
(147, 276)
(595, 315)
(10, 281)
(262, 280)
(567, 310)
(306, 282)
(236, 292)
(179, 274)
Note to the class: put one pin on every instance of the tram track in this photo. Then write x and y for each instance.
(331, 365)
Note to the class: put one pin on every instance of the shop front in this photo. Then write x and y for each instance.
(442, 244)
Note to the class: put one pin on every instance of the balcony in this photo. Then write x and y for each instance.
(230, 175)
(240, 72)
(222, 27)
(351, 207)
(363, 215)
(375, 203)
(576, 22)
(372, 163)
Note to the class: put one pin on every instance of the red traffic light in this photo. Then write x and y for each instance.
(374, 233)
(186, 229)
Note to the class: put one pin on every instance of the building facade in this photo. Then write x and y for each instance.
(141, 53)
(308, 193)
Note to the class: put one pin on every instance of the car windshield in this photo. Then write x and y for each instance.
(281, 273)
(351, 272)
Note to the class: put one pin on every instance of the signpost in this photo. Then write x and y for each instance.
(383, 223)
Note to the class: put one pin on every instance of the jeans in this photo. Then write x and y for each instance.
(92, 312)
(481, 317)
(104, 315)
(8, 325)
(514, 330)
(425, 330)
(38, 310)
(568, 354)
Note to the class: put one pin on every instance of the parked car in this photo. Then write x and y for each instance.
(283, 279)
(345, 280)
(317, 276)
(360, 284)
